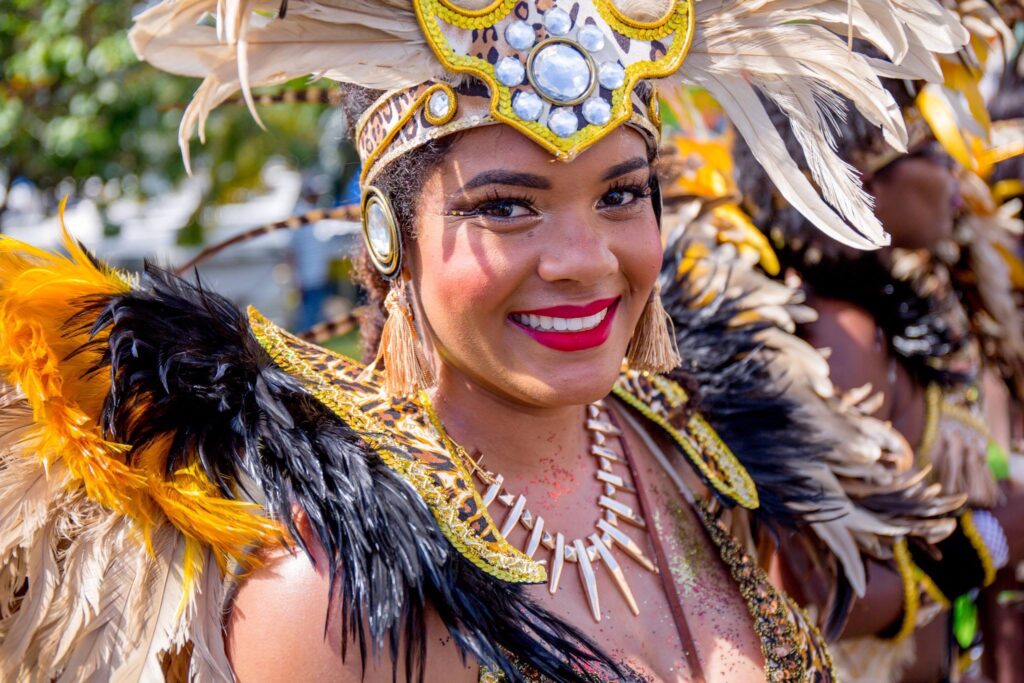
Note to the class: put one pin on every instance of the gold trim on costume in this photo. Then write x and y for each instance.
(680, 19)
(637, 30)
(978, 543)
(406, 445)
(698, 440)
(911, 599)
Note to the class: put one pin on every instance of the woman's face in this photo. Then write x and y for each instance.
(531, 273)
(917, 198)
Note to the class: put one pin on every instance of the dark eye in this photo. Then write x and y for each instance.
(504, 208)
(620, 197)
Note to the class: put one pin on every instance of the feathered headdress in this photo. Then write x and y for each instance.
(565, 72)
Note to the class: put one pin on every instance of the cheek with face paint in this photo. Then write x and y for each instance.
(917, 201)
(488, 287)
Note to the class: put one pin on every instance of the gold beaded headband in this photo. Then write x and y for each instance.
(403, 120)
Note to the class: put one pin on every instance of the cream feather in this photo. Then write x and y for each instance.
(209, 662)
(373, 44)
(868, 457)
(82, 595)
(784, 51)
(44, 576)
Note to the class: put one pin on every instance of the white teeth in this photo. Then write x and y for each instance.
(548, 324)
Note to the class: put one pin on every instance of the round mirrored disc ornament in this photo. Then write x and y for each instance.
(561, 72)
(380, 230)
(520, 35)
(563, 122)
(557, 22)
(509, 71)
(591, 37)
(527, 106)
(611, 75)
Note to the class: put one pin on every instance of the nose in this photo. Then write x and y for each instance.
(578, 251)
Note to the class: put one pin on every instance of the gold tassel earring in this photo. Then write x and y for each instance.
(653, 346)
(405, 367)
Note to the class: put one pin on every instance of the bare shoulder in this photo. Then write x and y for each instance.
(281, 610)
(282, 627)
(859, 353)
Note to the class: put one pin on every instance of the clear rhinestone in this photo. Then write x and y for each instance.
(563, 122)
(597, 111)
(439, 104)
(520, 35)
(527, 106)
(591, 37)
(561, 72)
(557, 22)
(378, 230)
(611, 75)
(509, 71)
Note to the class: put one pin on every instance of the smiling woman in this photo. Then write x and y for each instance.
(536, 407)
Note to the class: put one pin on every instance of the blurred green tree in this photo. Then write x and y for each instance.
(76, 104)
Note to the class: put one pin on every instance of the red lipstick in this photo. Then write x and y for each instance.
(570, 340)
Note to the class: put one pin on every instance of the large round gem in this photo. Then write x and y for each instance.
(612, 75)
(561, 73)
(520, 35)
(557, 22)
(597, 111)
(509, 71)
(527, 106)
(439, 104)
(563, 122)
(378, 231)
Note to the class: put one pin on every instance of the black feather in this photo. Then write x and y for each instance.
(725, 371)
(185, 366)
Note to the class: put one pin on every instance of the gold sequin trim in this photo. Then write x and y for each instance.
(911, 599)
(700, 442)
(786, 657)
(931, 589)
(673, 20)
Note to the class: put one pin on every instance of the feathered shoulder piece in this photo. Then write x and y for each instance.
(112, 553)
(140, 419)
(816, 457)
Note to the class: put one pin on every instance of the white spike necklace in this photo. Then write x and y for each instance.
(586, 553)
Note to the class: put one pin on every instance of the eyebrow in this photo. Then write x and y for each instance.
(499, 177)
(634, 164)
(536, 182)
